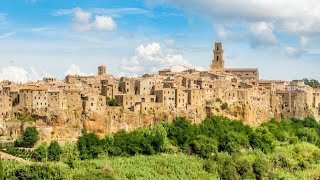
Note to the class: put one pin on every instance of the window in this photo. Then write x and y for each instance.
(217, 58)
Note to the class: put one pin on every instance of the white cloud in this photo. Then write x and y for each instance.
(74, 70)
(104, 23)
(290, 15)
(18, 74)
(83, 21)
(262, 35)
(151, 58)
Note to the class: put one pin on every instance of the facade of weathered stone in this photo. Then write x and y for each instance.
(81, 101)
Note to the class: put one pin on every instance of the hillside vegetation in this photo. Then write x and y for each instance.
(218, 148)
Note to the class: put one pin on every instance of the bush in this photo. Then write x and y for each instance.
(95, 175)
(308, 134)
(69, 154)
(224, 106)
(260, 168)
(30, 136)
(244, 167)
(89, 145)
(204, 147)
(42, 172)
(262, 139)
(182, 132)
(209, 166)
(112, 102)
(54, 151)
(40, 154)
(226, 170)
(232, 142)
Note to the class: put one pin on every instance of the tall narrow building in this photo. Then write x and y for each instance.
(102, 70)
(217, 61)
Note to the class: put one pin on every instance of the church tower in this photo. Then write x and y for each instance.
(217, 61)
(102, 70)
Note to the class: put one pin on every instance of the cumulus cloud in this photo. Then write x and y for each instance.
(300, 18)
(262, 35)
(84, 20)
(104, 23)
(74, 70)
(151, 58)
(18, 74)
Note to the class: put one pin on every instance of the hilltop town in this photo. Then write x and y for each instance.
(104, 104)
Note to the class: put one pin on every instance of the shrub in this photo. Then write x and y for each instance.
(54, 151)
(95, 175)
(182, 132)
(262, 139)
(204, 147)
(232, 142)
(224, 106)
(112, 102)
(244, 167)
(261, 167)
(40, 154)
(69, 154)
(89, 145)
(30, 136)
(42, 172)
(308, 134)
(219, 100)
(226, 167)
(209, 166)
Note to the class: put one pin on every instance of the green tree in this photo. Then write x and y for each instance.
(232, 142)
(30, 136)
(261, 167)
(204, 147)
(89, 145)
(40, 154)
(226, 167)
(182, 132)
(308, 134)
(54, 151)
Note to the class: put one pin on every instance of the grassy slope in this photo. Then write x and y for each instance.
(138, 167)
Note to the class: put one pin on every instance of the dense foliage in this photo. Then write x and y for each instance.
(312, 82)
(218, 146)
(29, 138)
(54, 151)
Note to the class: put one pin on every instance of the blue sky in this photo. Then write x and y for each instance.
(57, 37)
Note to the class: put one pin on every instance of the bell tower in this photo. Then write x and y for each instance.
(217, 61)
(102, 70)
